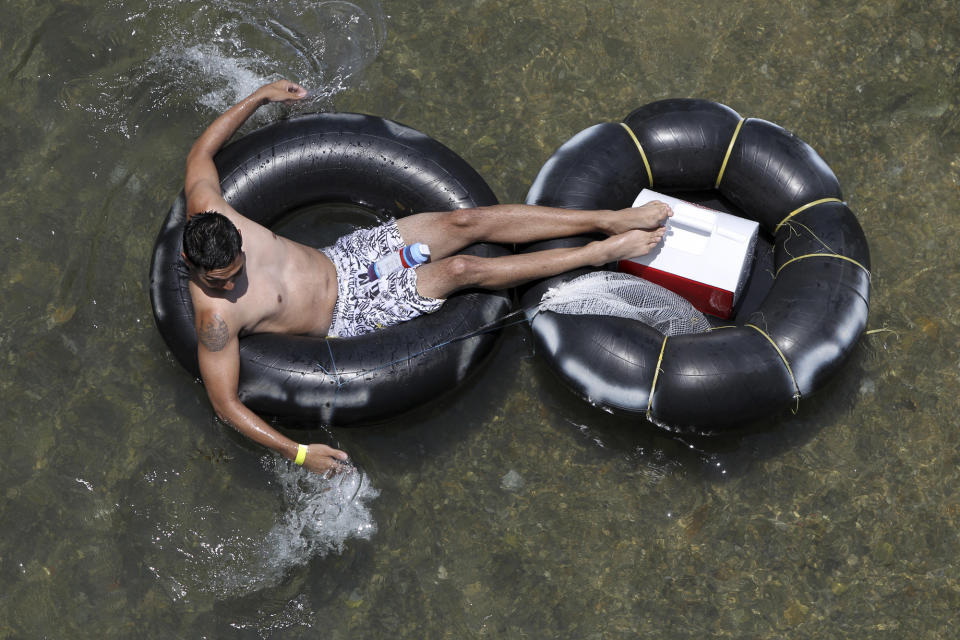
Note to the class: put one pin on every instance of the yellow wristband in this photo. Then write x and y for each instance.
(301, 454)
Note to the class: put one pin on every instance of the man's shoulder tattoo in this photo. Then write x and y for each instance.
(214, 334)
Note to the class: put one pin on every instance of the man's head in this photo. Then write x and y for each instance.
(211, 246)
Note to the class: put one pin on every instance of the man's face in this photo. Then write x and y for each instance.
(226, 278)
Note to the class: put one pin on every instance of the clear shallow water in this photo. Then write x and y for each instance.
(509, 509)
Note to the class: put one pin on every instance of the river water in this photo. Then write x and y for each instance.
(509, 509)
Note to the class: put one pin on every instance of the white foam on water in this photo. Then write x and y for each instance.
(318, 517)
(213, 55)
(203, 65)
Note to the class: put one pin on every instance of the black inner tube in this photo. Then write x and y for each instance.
(331, 168)
(793, 328)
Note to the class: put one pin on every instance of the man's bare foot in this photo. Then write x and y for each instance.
(631, 244)
(648, 216)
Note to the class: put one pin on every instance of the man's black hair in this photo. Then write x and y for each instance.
(210, 241)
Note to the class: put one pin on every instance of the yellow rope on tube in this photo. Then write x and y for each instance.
(804, 208)
(723, 167)
(656, 374)
(640, 149)
(820, 255)
(779, 353)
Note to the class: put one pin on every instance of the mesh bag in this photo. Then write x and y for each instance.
(609, 293)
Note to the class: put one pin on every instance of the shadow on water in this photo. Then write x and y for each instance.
(409, 442)
(655, 452)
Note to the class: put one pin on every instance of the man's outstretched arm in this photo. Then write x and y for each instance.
(202, 182)
(218, 353)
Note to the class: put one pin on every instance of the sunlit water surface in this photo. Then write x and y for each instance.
(509, 508)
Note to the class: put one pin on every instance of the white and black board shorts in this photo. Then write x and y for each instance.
(362, 306)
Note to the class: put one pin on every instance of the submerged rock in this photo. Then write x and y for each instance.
(511, 481)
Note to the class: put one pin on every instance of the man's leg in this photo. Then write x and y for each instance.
(448, 232)
(442, 277)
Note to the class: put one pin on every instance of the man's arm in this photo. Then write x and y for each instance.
(202, 182)
(218, 352)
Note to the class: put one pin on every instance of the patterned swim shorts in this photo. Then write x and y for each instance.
(363, 306)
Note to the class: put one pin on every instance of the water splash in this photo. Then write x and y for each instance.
(195, 557)
(213, 54)
(320, 515)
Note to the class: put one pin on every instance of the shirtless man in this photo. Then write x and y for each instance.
(245, 279)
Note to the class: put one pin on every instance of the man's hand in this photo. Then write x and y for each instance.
(323, 459)
(281, 91)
